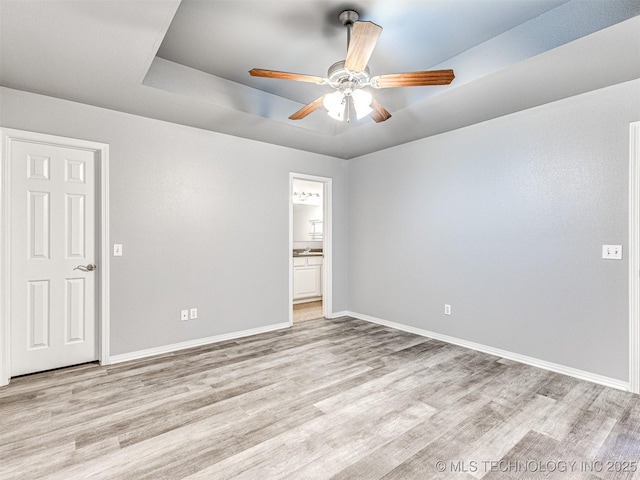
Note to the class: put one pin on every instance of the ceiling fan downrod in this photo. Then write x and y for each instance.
(348, 18)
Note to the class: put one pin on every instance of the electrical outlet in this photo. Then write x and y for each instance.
(193, 313)
(117, 249)
(612, 252)
(447, 309)
(184, 315)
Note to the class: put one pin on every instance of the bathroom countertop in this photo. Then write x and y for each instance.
(315, 252)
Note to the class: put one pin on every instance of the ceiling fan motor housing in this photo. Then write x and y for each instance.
(338, 75)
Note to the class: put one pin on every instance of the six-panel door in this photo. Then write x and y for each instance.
(53, 319)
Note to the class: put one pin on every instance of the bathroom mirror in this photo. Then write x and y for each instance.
(307, 223)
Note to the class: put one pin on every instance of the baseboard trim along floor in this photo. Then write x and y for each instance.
(174, 347)
(338, 399)
(534, 362)
(150, 352)
(516, 357)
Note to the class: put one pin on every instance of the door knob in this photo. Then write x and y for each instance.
(88, 268)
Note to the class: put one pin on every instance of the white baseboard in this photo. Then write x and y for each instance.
(344, 313)
(534, 362)
(125, 357)
(307, 300)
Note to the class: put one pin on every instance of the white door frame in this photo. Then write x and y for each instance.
(7, 137)
(634, 258)
(327, 232)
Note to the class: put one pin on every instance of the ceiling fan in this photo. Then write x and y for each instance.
(348, 77)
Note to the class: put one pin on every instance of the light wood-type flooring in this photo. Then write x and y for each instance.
(307, 311)
(341, 399)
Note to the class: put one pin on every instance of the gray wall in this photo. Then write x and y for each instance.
(505, 221)
(203, 218)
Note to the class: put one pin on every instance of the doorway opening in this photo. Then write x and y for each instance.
(309, 247)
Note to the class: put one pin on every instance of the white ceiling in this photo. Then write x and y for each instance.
(307, 37)
(187, 62)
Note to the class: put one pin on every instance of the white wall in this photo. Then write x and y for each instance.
(203, 217)
(505, 221)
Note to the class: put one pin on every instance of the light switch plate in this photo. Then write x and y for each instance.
(612, 252)
(184, 315)
(117, 249)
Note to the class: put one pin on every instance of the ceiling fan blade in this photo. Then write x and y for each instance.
(259, 72)
(364, 36)
(379, 114)
(307, 109)
(413, 79)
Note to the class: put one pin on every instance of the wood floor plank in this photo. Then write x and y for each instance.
(503, 436)
(529, 458)
(340, 398)
(569, 409)
(386, 458)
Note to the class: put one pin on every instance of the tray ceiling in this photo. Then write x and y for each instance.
(186, 62)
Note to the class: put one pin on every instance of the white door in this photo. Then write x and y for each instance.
(53, 294)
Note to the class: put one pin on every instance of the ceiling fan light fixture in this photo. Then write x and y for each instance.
(362, 103)
(335, 105)
(348, 76)
(337, 115)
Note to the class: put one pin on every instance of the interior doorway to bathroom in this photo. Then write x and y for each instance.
(310, 247)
